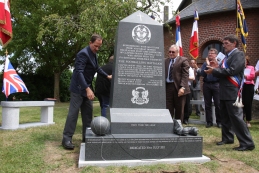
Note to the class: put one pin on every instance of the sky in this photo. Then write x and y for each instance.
(175, 5)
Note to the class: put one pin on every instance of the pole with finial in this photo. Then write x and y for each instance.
(6, 52)
(237, 25)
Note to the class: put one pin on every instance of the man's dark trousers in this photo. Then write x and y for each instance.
(86, 106)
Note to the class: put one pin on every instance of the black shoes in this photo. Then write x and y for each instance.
(240, 148)
(68, 145)
(247, 148)
(225, 142)
(208, 125)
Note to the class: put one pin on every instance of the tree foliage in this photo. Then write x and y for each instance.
(49, 33)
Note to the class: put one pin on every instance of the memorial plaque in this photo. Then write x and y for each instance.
(140, 121)
(138, 78)
(139, 147)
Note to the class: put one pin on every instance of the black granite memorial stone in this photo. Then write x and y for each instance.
(137, 103)
(140, 125)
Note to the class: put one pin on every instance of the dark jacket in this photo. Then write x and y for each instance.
(180, 73)
(236, 66)
(86, 65)
(102, 84)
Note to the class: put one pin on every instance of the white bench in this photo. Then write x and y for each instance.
(11, 114)
(202, 115)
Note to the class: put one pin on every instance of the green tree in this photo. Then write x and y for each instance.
(49, 33)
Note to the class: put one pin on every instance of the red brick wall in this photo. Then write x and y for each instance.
(216, 27)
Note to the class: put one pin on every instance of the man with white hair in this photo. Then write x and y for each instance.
(176, 75)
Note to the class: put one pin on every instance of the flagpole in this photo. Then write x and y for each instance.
(236, 19)
(6, 54)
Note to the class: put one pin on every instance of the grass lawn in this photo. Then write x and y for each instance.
(39, 149)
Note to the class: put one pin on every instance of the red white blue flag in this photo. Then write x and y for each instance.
(6, 33)
(178, 39)
(12, 83)
(194, 42)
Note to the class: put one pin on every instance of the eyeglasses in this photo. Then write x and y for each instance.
(171, 51)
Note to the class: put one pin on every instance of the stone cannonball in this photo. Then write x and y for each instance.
(100, 126)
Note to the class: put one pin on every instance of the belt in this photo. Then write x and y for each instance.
(211, 82)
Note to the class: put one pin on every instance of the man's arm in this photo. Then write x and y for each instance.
(80, 64)
(185, 77)
(185, 73)
(235, 66)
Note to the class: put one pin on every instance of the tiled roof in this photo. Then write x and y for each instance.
(212, 6)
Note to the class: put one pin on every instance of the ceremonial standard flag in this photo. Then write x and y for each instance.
(178, 39)
(12, 83)
(2, 12)
(194, 42)
(241, 24)
(5, 23)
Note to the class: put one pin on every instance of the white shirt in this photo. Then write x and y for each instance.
(191, 76)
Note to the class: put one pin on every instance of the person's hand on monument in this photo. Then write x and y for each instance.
(109, 77)
(89, 93)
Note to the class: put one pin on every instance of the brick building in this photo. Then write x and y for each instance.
(217, 19)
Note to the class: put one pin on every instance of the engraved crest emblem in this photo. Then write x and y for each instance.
(141, 34)
(137, 99)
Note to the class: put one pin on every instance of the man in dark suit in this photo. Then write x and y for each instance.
(102, 87)
(230, 73)
(81, 92)
(176, 76)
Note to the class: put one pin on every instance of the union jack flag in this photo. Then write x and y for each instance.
(12, 83)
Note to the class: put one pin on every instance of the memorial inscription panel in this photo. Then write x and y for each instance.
(143, 147)
(138, 79)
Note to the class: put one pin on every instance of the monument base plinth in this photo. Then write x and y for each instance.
(141, 146)
(104, 163)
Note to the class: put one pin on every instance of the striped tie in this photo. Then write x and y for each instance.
(171, 70)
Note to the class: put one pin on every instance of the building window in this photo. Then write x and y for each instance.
(212, 44)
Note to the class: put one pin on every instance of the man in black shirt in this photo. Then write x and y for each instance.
(102, 87)
(211, 91)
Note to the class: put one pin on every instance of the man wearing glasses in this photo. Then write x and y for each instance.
(211, 91)
(176, 76)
